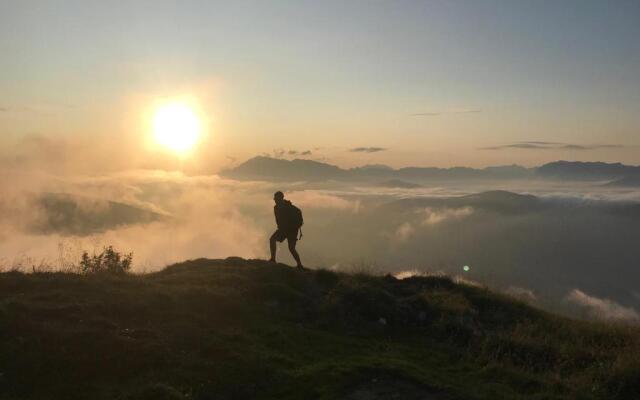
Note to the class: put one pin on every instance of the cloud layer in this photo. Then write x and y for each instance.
(58, 201)
(602, 308)
(537, 145)
(367, 149)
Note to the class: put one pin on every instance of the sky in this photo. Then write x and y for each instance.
(421, 83)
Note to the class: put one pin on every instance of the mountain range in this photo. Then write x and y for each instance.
(266, 168)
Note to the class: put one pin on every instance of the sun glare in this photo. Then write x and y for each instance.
(176, 126)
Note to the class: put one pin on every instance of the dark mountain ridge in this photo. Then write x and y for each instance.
(266, 168)
(592, 171)
(70, 214)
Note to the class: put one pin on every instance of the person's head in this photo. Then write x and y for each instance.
(278, 197)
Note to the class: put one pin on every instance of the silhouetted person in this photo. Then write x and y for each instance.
(289, 221)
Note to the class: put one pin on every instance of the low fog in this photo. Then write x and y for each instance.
(567, 247)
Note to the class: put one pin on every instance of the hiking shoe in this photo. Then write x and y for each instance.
(300, 267)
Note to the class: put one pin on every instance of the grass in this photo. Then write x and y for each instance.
(238, 329)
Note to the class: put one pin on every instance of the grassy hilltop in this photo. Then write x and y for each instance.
(244, 329)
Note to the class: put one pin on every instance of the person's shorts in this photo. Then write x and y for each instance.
(281, 235)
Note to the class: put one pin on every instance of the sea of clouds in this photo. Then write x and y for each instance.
(575, 251)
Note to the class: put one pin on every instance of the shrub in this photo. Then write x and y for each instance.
(109, 261)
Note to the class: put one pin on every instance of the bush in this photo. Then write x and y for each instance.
(108, 261)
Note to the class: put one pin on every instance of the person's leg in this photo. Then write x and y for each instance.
(292, 248)
(272, 244)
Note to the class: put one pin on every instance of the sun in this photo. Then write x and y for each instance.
(176, 126)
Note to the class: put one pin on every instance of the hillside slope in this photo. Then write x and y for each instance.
(244, 329)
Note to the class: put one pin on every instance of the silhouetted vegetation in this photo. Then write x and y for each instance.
(109, 261)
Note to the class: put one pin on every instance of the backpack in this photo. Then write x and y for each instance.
(296, 218)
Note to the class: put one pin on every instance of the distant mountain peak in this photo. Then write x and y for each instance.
(589, 170)
(267, 168)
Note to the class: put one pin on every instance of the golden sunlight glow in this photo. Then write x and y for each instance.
(176, 126)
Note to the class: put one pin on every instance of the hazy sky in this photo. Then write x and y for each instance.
(432, 82)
